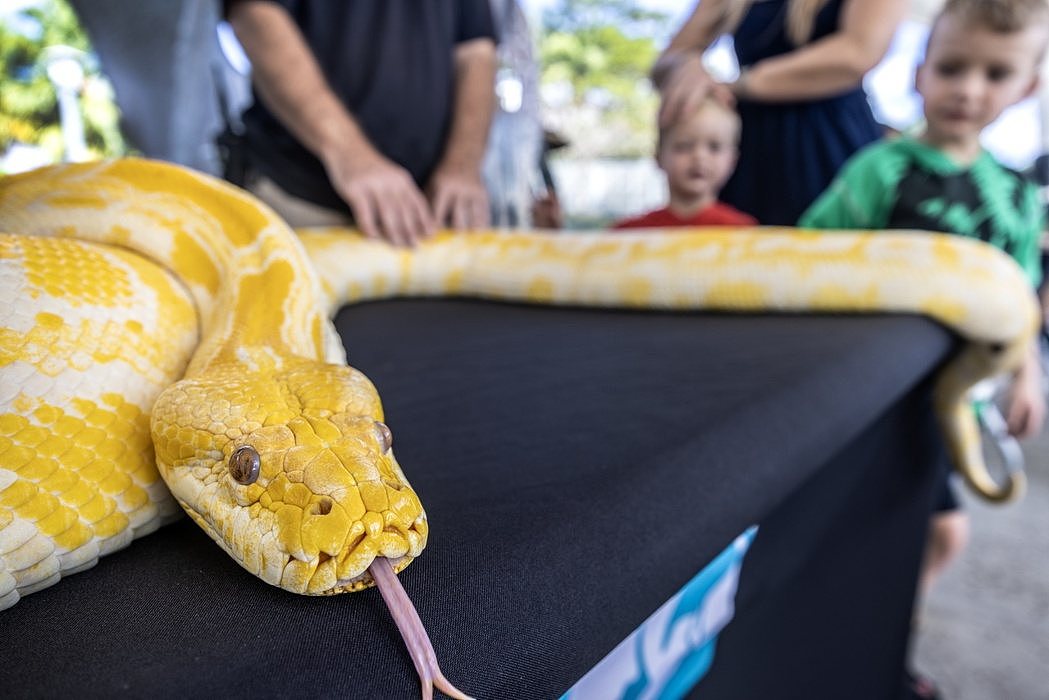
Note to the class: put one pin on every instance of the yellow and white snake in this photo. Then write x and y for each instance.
(165, 341)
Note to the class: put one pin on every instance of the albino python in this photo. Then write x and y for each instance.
(164, 338)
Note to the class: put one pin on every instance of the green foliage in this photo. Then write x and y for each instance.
(28, 103)
(572, 16)
(603, 51)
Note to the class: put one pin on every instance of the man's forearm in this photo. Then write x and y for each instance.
(473, 104)
(290, 82)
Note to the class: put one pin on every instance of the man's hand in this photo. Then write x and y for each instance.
(459, 198)
(546, 212)
(456, 191)
(383, 197)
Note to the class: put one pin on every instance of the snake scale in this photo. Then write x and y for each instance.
(165, 341)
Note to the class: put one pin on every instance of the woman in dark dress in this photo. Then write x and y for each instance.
(800, 90)
(800, 97)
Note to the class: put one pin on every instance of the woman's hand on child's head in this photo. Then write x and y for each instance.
(686, 86)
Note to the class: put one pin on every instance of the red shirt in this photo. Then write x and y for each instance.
(717, 214)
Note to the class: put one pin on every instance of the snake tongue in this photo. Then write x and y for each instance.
(412, 631)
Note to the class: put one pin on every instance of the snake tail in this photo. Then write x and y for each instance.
(961, 430)
(412, 631)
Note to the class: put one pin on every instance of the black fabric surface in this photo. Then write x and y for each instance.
(823, 607)
(577, 468)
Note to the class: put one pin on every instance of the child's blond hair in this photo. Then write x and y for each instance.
(708, 101)
(999, 16)
(1004, 16)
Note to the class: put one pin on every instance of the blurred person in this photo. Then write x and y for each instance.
(168, 73)
(515, 142)
(799, 92)
(982, 57)
(375, 113)
(546, 203)
(697, 153)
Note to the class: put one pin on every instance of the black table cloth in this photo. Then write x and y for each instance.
(577, 467)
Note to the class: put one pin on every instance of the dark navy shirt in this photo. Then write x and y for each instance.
(391, 63)
(790, 151)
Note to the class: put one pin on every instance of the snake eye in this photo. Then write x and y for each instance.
(244, 465)
(385, 436)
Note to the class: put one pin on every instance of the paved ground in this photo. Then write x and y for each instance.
(984, 631)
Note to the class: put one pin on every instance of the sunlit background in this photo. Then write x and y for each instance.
(55, 103)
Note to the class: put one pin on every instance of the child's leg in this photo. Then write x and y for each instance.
(948, 536)
(948, 532)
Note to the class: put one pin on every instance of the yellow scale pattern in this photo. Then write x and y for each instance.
(210, 334)
(77, 473)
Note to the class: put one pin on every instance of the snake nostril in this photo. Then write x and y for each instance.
(322, 507)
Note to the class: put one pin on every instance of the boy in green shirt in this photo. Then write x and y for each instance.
(982, 56)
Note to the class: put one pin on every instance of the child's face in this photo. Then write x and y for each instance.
(698, 154)
(970, 75)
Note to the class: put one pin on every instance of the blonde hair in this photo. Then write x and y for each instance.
(1002, 16)
(708, 102)
(998, 16)
(801, 17)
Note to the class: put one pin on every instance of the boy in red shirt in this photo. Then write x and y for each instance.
(697, 154)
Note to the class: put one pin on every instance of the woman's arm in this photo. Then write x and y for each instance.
(695, 36)
(679, 74)
(830, 66)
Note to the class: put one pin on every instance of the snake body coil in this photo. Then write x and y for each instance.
(169, 342)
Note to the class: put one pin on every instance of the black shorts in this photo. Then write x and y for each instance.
(946, 498)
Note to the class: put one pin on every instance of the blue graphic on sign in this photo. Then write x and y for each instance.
(666, 656)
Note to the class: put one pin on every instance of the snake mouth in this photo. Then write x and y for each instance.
(348, 570)
(365, 578)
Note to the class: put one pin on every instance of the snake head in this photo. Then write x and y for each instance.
(292, 472)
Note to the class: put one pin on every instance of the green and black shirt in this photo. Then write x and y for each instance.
(905, 184)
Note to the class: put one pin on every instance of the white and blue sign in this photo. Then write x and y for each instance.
(671, 650)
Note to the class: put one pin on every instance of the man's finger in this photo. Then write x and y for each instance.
(460, 213)
(442, 204)
(364, 215)
(481, 212)
(419, 210)
(390, 221)
(406, 220)
(415, 229)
